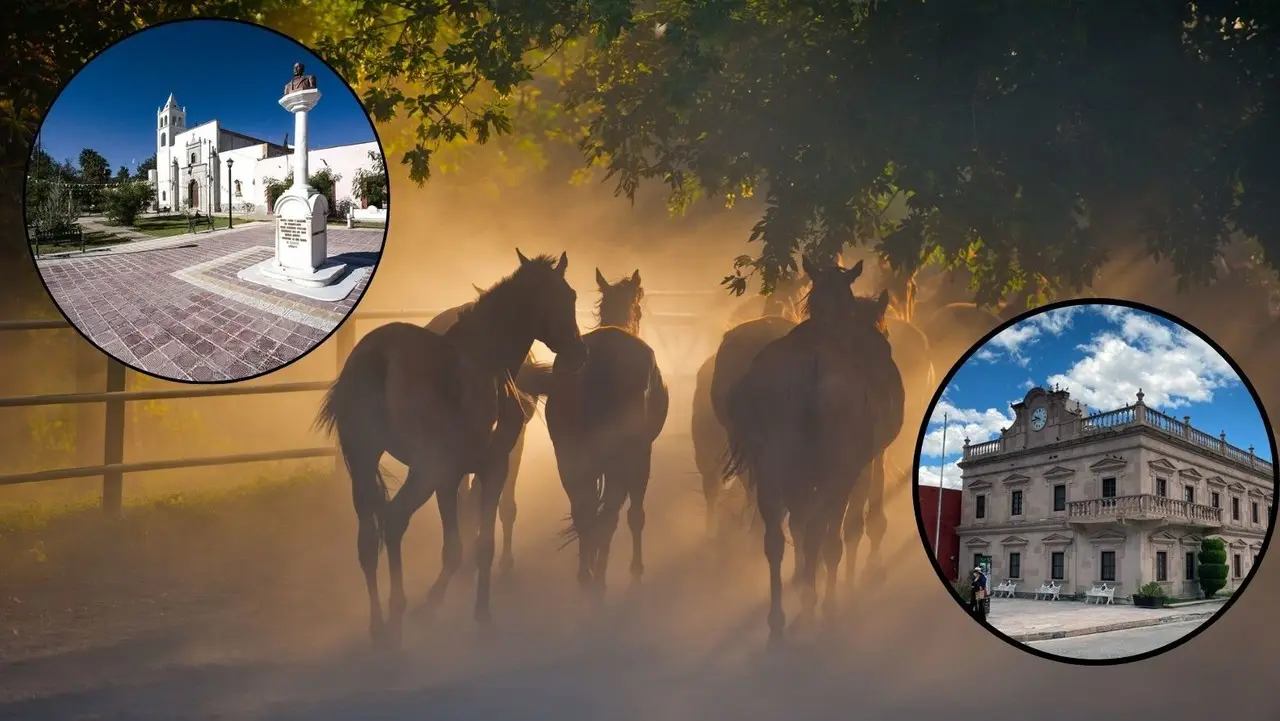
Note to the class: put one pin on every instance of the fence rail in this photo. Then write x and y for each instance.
(114, 398)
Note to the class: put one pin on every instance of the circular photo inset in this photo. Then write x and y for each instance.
(1095, 482)
(211, 225)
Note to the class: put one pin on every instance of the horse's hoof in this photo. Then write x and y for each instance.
(506, 565)
(484, 616)
(776, 642)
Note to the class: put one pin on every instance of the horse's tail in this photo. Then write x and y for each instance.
(533, 382)
(571, 532)
(338, 416)
(742, 456)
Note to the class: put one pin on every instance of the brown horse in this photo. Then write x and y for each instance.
(781, 311)
(444, 406)
(813, 410)
(468, 503)
(603, 422)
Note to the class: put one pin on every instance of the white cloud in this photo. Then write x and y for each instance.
(1171, 365)
(1029, 384)
(1010, 341)
(928, 474)
(976, 425)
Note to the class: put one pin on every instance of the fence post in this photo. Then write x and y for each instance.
(113, 440)
(345, 340)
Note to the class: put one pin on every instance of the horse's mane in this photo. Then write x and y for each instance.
(600, 306)
(502, 291)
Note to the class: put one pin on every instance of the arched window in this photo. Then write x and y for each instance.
(162, 143)
(162, 196)
(193, 158)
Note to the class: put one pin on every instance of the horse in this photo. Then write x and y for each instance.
(467, 502)
(444, 405)
(737, 347)
(865, 515)
(813, 410)
(603, 422)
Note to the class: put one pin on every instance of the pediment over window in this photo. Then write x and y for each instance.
(1107, 537)
(1191, 539)
(977, 542)
(979, 485)
(1163, 537)
(1013, 541)
(1108, 464)
(1163, 465)
(1059, 472)
(1016, 479)
(1257, 493)
(1215, 481)
(1190, 473)
(1256, 546)
(1238, 487)
(1238, 543)
(1057, 539)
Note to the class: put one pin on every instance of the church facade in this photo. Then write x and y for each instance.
(1122, 497)
(192, 173)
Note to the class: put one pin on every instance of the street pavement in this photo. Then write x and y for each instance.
(1119, 644)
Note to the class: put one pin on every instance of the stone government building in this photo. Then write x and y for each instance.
(1122, 497)
(191, 164)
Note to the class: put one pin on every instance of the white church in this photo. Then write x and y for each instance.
(191, 164)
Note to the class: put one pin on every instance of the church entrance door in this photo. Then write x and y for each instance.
(193, 195)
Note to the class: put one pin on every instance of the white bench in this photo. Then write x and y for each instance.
(1005, 587)
(1048, 589)
(1101, 592)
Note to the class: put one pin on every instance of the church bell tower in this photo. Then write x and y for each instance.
(171, 121)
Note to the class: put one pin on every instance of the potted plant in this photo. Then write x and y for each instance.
(1151, 595)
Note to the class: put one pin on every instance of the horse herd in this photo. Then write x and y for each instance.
(798, 405)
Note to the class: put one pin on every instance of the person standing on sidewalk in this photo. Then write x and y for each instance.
(979, 598)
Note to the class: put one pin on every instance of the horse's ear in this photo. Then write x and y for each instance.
(563, 265)
(601, 283)
(635, 277)
(852, 274)
(523, 260)
(807, 266)
(477, 289)
(882, 303)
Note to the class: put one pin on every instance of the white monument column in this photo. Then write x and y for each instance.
(301, 211)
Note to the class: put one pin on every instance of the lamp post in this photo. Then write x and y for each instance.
(230, 185)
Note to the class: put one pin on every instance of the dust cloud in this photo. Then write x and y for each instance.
(254, 607)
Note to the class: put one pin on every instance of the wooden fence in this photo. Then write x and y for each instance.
(114, 398)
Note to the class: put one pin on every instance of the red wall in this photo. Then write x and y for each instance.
(949, 547)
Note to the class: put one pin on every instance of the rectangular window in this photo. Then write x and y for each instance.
(1236, 566)
(980, 510)
(1215, 500)
(1108, 566)
(1254, 509)
(1108, 488)
(1057, 566)
(1015, 565)
(1162, 566)
(1189, 494)
(1235, 509)
(1015, 503)
(1189, 567)
(1162, 487)
(1060, 497)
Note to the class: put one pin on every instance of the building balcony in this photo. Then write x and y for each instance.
(1143, 507)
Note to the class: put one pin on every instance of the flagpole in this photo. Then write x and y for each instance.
(942, 465)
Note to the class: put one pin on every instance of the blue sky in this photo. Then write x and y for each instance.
(1102, 355)
(219, 70)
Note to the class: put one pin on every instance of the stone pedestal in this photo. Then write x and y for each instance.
(302, 240)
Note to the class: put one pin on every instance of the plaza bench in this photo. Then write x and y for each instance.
(1050, 590)
(1005, 587)
(57, 237)
(1101, 592)
(197, 221)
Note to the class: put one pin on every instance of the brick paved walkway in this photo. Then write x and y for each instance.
(180, 312)
(1020, 618)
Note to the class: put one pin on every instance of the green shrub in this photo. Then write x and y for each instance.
(1152, 589)
(323, 180)
(1213, 566)
(125, 201)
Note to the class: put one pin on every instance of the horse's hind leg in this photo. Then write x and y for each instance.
(637, 485)
(451, 553)
(369, 542)
(507, 505)
(877, 524)
(771, 511)
(832, 551)
(854, 526)
(423, 479)
(617, 477)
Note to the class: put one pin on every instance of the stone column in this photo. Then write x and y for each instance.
(299, 107)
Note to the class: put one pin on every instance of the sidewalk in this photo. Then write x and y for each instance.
(1026, 620)
(138, 242)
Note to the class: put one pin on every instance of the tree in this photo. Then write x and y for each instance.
(323, 180)
(1213, 566)
(986, 139)
(144, 167)
(450, 67)
(94, 169)
(125, 201)
(371, 183)
(122, 174)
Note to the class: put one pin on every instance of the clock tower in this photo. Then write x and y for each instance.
(1045, 416)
